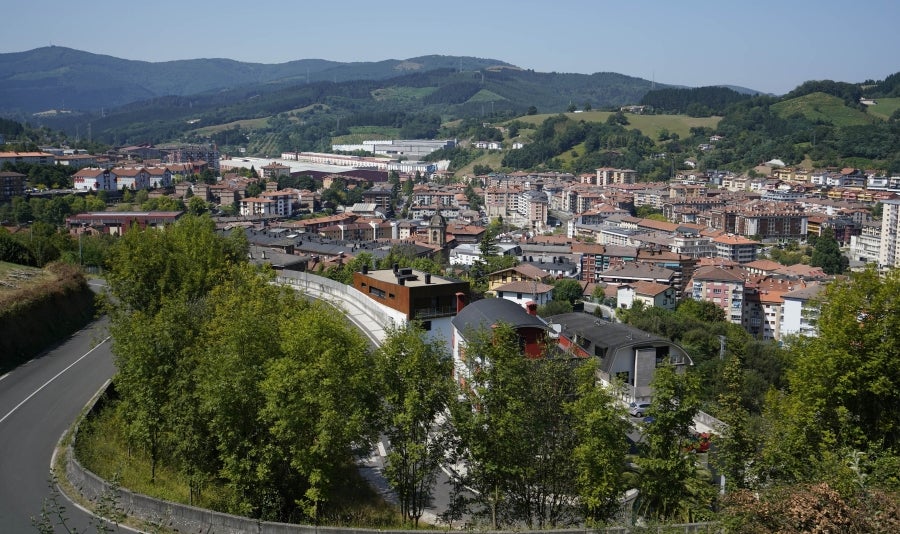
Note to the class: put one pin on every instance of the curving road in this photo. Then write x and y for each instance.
(38, 402)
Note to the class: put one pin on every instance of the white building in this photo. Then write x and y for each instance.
(800, 312)
(888, 254)
(91, 179)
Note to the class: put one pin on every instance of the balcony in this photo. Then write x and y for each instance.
(431, 313)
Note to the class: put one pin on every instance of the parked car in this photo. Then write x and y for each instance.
(637, 409)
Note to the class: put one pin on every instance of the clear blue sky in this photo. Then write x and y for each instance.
(769, 45)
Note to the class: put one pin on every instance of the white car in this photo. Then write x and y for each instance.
(637, 409)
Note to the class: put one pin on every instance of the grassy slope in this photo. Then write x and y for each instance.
(827, 108)
(649, 125)
(885, 107)
(14, 278)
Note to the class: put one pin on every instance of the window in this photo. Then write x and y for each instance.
(519, 296)
(377, 292)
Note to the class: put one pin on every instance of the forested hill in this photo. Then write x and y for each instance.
(444, 92)
(56, 77)
(696, 102)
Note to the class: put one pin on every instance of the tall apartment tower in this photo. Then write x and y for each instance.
(889, 251)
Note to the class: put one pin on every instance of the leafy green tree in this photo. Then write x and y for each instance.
(515, 434)
(599, 453)
(320, 403)
(531, 110)
(567, 290)
(842, 396)
(827, 254)
(415, 377)
(736, 447)
(197, 206)
(668, 475)
(236, 345)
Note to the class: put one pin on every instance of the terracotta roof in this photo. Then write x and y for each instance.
(717, 274)
(648, 288)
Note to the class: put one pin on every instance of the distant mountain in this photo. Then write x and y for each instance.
(56, 77)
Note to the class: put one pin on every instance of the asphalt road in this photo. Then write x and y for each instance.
(39, 400)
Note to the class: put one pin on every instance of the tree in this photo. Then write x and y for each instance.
(571, 108)
(235, 348)
(415, 379)
(668, 475)
(827, 254)
(843, 386)
(531, 110)
(320, 403)
(158, 281)
(516, 436)
(197, 206)
(736, 446)
(599, 453)
(567, 290)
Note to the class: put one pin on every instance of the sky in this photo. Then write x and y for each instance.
(768, 45)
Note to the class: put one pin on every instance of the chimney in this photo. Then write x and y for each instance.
(460, 301)
(396, 267)
(365, 269)
(531, 307)
(401, 281)
(427, 278)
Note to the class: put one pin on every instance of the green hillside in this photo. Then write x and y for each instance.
(820, 107)
(649, 125)
(885, 107)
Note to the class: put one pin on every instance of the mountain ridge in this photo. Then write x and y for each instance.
(56, 77)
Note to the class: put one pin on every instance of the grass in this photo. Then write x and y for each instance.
(649, 125)
(16, 278)
(822, 107)
(885, 107)
(402, 94)
(491, 159)
(102, 448)
(246, 124)
(485, 96)
(358, 134)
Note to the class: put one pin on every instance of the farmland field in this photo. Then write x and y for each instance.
(649, 125)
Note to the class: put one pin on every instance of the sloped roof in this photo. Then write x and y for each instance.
(488, 312)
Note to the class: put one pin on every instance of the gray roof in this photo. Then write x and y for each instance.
(487, 312)
(601, 332)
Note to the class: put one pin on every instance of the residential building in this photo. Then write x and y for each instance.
(429, 299)
(254, 206)
(132, 178)
(866, 247)
(200, 157)
(649, 293)
(523, 292)
(273, 170)
(283, 205)
(736, 248)
(480, 318)
(94, 179)
(628, 356)
(801, 311)
(519, 273)
(889, 250)
(117, 222)
(722, 287)
(35, 158)
(12, 184)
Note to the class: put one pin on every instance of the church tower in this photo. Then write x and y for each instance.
(437, 230)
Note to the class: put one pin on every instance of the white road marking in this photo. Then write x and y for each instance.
(47, 383)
